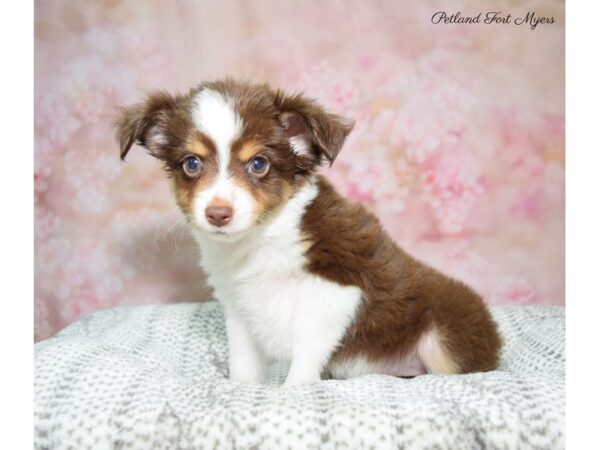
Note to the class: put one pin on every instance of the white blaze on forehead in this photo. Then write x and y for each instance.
(214, 116)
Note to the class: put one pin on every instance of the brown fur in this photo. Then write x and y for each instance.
(402, 298)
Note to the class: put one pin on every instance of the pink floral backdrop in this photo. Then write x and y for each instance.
(458, 144)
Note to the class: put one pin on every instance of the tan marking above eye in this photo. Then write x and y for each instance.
(197, 147)
(249, 150)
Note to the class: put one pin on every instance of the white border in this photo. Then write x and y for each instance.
(583, 224)
(16, 245)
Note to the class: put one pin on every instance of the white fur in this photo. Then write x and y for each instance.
(273, 306)
(155, 137)
(407, 366)
(214, 116)
(300, 145)
(247, 362)
(428, 356)
(433, 354)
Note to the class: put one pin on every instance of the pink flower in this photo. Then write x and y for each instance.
(88, 83)
(55, 118)
(513, 290)
(45, 223)
(451, 188)
(366, 62)
(332, 90)
(432, 118)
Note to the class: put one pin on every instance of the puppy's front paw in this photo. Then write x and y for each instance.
(295, 379)
(248, 374)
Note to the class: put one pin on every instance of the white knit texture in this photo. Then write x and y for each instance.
(155, 377)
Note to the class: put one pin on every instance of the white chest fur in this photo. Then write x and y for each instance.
(261, 280)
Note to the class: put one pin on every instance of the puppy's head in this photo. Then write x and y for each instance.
(236, 152)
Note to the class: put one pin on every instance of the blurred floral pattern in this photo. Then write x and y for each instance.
(458, 144)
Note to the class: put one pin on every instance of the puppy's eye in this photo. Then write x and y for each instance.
(192, 166)
(259, 165)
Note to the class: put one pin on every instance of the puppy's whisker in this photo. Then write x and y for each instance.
(170, 233)
(180, 232)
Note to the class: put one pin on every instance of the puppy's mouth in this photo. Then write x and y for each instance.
(222, 235)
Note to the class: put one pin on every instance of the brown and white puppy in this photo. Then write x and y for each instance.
(302, 273)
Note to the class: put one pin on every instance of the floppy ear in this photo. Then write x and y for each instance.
(312, 132)
(146, 124)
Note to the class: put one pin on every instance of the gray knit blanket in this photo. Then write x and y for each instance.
(155, 377)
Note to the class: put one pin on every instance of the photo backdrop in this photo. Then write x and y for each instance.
(458, 145)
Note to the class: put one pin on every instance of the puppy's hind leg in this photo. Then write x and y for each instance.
(434, 355)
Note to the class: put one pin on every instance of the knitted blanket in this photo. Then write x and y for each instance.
(155, 377)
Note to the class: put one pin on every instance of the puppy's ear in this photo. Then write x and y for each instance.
(312, 132)
(146, 124)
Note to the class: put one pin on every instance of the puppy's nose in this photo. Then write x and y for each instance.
(218, 215)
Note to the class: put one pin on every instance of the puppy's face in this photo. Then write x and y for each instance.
(236, 152)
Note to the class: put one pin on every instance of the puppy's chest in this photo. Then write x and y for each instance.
(267, 287)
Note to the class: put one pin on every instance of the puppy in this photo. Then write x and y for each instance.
(303, 274)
